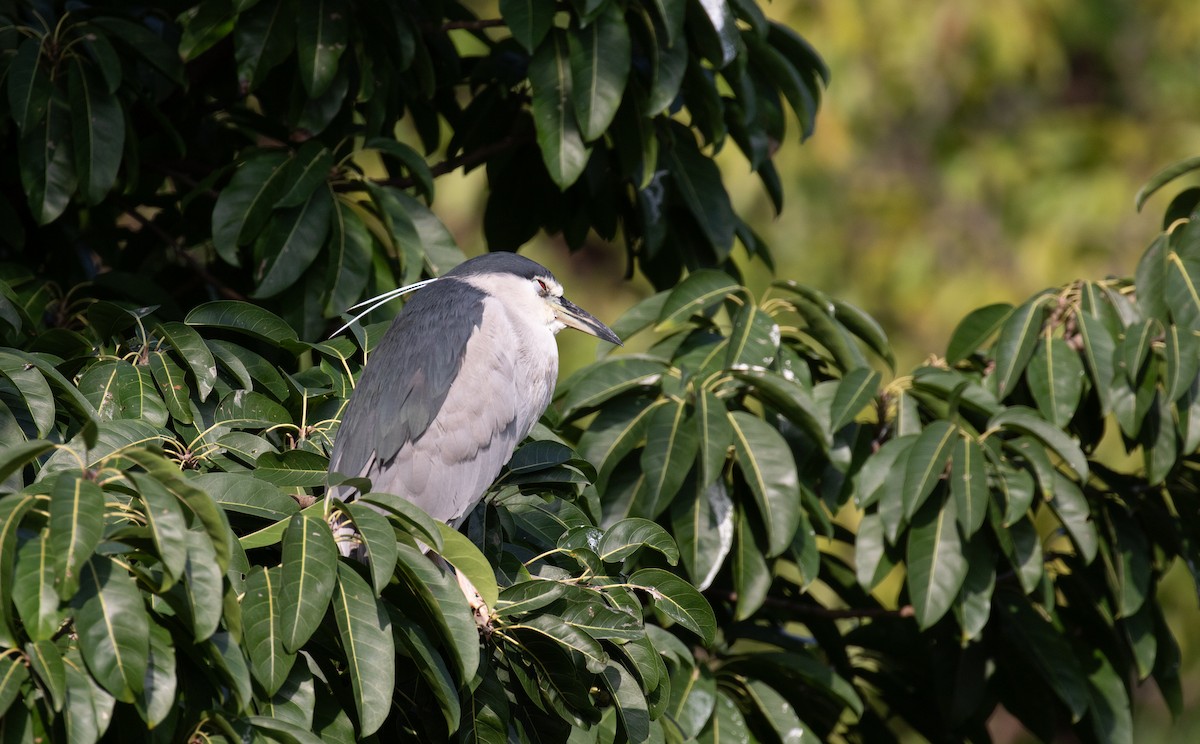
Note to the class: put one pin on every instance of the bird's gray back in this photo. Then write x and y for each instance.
(432, 429)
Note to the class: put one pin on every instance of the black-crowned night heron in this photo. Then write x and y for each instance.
(461, 377)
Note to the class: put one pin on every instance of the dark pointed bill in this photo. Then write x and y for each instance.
(578, 318)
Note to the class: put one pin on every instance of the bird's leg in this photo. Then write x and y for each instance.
(479, 608)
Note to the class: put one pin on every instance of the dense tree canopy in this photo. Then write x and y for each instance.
(751, 528)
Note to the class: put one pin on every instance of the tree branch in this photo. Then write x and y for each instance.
(466, 160)
(187, 258)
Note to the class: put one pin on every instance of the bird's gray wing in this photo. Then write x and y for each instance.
(489, 408)
(407, 377)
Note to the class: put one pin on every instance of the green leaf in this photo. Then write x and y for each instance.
(575, 642)
(697, 182)
(626, 537)
(678, 600)
(727, 725)
(13, 676)
(1072, 509)
(33, 591)
(1055, 377)
(193, 597)
(1183, 290)
(936, 567)
(29, 85)
(1099, 349)
(203, 26)
(671, 444)
(527, 596)
(1135, 347)
(245, 409)
(558, 135)
(701, 291)
(602, 622)
(167, 524)
(307, 583)
(1026, 421)
(754, 341)
(113, 627)
(242, 493)
(854, 392)
(47, 666)
(630, 702)
(263, 37)
(380, 540)
(600, 59)
(724, 27)
(716, 435)
(310, 171)
(974, 606)
(599, 383)
(751, 574)
(247, 202)
(244, 318)
(769, 470)
(1044, 647)
(1183, 362)
(461, 553)
(76, 526)
(778, 713)
(1015, 345)
(370, 650)
(32, 387)
(171, 382)
(968, 485)
(437, 602)
(191, 349)
(974, 330)
(926, 463)
(98, 131)
(13, 509)
(291, 242)
(120, 390)
(1162, 178)
(871, 560)
(321, 37)
(270, 662)
(157, 698)
(703, 527)
(528, 20)
(410, 517)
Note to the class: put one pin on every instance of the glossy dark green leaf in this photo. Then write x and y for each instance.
(936, 567)
(599, 62)
(751, 574)
(374, 531)
(727, 725)
(968, 484)
(576, 643)
(698, 293)
(409, 516)
(157, 699)
(1183, 290)
(974, 330)
(697, 182)
(528, 20)
(677, 600)
(881, 467)
(245, 494)
(270, 662)
(626, 537)
(1159, 437)
(630, 702)
(46, 164)
(13, 675)
(1045, 648)
(926, 463)
(702, 522)
(245, 409)
(191, 349)
(1015, 345)
(558, 135)
(671, 62)
(754, 341)
(854, 392)
(605, 380)
(246, 203)
(263, 36)
(1055, 378)
(291, 242)
(871, 561)
(307, 583)
(974, 606)
(113, 627)
(244, 318)
(167, 525)
(370, 650)
(468, 561)
(1026, 421)
(98, 131)
(310, 170)
(203, 26)
(1182, 352)
(145, 43)
(777, 713)
(1024, 551)
(1099, 348)
(527, 596)
(172, 384)
(716, 435)
(33, 590)
(602, 622)
(440, 605)
(412, 161)
(1162, 178)
(1135, 347)
(671, 445)
(120, 390)
(46, 663)
(29, 85)
(1072, 509)
(76, 526)
(767, 466)
(321, 37)
(200, 584)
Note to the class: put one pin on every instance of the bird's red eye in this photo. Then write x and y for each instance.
(542, 285)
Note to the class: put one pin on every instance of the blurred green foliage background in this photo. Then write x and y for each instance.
(966, 153)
